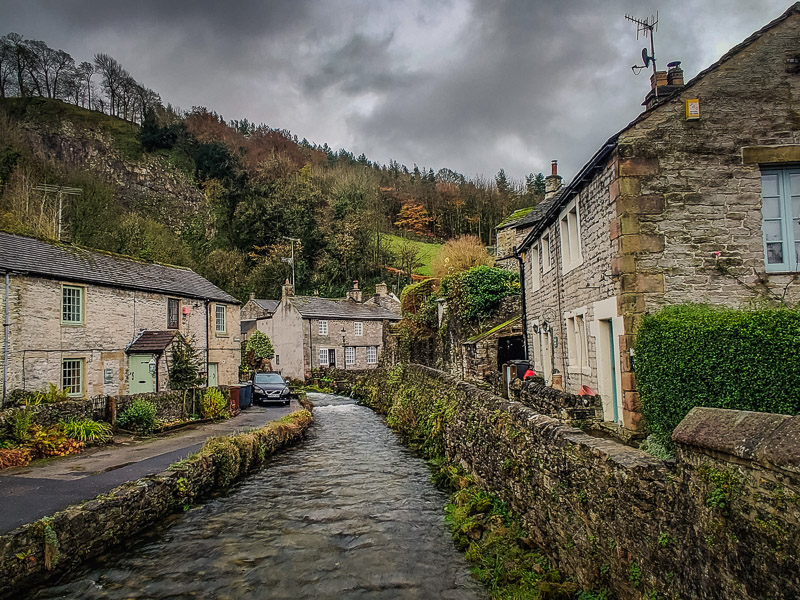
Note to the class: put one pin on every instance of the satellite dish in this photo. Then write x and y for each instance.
(646, 58)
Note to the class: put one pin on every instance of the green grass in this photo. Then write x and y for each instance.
(427, 252)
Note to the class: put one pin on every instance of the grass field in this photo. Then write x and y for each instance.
(427, 252)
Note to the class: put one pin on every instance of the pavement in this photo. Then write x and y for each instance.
(38, 490)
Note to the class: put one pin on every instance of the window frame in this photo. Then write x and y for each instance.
(322, 327)
(546, 252)
(536, 277)
(790, 238)
(327, 356)
(373, 350)
(81, 362)
(81, 289)
(170, 303)
(570, 234)
(349, 356)
(358, 328)
(577, 342)
(224, 329)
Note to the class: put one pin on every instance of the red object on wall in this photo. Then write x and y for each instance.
(528, 374)
(187, 310)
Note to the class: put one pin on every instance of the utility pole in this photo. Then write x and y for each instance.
(291, 260)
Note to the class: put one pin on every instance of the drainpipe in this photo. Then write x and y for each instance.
(6, 326)
(524, 307)
(208, 338)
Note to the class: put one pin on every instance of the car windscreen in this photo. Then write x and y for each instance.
(268, 378)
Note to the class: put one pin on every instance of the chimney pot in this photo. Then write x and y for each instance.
(554, 167)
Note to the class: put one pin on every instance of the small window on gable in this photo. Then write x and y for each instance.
(220, 318)
(72, 304)
(323, 357)
(780, 219)
(173, 313)
(323, 327)
(358, 328)
(570, 237)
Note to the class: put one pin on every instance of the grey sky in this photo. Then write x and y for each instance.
(470, 85)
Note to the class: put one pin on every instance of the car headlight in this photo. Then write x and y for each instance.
(285, 391)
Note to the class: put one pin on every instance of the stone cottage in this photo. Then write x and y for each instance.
(98, 323)
(696, 200)
(310, 332)
(255, 309)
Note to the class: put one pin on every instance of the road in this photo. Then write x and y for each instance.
(36, 491)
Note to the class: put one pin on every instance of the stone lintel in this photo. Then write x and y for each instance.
(788, 153)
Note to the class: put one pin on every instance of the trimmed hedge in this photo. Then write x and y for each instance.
(696, 355)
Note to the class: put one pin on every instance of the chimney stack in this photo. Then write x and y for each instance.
(287, 290)
(663, 84)
(552, 183)
(355, 293)
(252, 295)
(381, 289)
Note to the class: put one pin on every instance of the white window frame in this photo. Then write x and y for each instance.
(323, 327)
(81, 298)
(787, 219)
(358, 328)
(349, 356)
(81, 365)
(577, 342)
(536, 277)
(323, 357)
(546, 252)
(220, 318)
(372, 355)
(570, 232)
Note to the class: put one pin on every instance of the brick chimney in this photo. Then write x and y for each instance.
(354, 293)
(552, 183)
(663, 84)
(287, 290)
(381, 289)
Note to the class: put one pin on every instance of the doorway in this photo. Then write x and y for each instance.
(141, 380)
(608, 370)
(509, 348)
(332, 358)
(213, 374)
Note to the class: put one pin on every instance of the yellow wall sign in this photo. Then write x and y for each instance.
(692, 109)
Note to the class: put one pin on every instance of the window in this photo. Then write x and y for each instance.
(780, 214)
(277, 359)
(577, 342)
(72, 304)
(349, 356)
(570, 237)
(323, 357)
(358, 328)
(220, 314)
(536, 279)
(72, 376)
(323, 328)
(173, 313)
(547, 257)
(372, 355)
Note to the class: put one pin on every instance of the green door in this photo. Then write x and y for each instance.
(141, 380)
(213, 379)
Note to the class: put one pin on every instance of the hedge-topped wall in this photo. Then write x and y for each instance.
(693, 355)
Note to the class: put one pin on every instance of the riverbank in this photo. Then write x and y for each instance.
(54, 545)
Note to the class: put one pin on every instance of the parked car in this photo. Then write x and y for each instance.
(270, 387)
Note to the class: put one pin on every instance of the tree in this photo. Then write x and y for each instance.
(414, 217)
(459, 255)
(258, 349)
(184, 367)
(113, 75)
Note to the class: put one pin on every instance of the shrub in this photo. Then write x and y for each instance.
(184, 368)
(475, 295)
(460, 254)
(53, 442)
(213, 405)
(258, 348)
(140, 417)
(19, 424)
(693, 355)
(87, 430)
(16, 457)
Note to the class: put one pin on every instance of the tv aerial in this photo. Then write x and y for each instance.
(646, 28)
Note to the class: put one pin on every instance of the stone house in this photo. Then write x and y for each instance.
(309, 332)
(255, 309)
(98, 323)
(696, 200)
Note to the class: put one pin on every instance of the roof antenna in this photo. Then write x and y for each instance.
(646, 28)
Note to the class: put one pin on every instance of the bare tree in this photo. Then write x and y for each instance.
(19, 60)
(6, 65)
(85, 71)
(113, 75)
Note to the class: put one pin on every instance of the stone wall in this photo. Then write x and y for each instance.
(85, 530)
(723, 521)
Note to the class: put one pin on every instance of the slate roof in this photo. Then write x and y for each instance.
(267, 304)
(539, 212)
(152, 341)
(314, 307)
(21, 254)
(514, 217)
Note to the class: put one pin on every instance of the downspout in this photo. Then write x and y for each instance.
(208, 339)
(310, 350)
(524, 306)
(6, 326)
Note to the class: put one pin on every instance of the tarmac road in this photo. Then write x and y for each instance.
(35, 491)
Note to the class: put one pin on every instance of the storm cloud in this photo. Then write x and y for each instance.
(471, 85)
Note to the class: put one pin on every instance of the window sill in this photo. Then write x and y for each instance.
(222, 334)
(72, 324)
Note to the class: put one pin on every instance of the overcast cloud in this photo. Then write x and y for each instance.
(469, 85)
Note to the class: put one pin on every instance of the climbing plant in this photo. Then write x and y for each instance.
(475, 295)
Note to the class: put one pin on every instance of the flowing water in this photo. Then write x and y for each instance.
(349, 514)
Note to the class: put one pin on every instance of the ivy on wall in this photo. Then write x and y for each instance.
(697, 355)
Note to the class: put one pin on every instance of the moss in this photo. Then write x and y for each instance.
(723, 488)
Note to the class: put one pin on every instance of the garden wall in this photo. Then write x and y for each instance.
(33, 553)
(722, 521)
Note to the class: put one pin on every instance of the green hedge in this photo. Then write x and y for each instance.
(693, 355)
